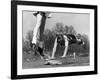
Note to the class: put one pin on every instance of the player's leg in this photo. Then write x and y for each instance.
(40, 49)
(41, 52)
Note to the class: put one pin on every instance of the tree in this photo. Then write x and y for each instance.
(66, 28)
(71, 30)
(29, 36)
(26, 43)
(58, 28)
(48, 39)
(87, 43)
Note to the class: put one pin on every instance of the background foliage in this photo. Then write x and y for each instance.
(49, 37)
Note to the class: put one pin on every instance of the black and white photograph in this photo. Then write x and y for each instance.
(53, 39)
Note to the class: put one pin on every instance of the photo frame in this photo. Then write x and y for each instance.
(20, 15)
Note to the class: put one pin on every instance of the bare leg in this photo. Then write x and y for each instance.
(40, 49)
(54, 49)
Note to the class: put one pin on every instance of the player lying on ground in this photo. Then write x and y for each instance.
(65, 40)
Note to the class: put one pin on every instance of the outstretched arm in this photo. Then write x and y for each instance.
(66, 46)
(54, 49)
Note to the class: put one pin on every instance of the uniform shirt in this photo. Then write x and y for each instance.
(70, 38)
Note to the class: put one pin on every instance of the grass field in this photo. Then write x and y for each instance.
(30, 62)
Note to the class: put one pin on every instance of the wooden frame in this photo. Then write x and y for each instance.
(14, 39)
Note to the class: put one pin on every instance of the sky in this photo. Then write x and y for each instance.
(81, 22)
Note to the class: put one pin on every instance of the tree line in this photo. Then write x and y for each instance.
(50, 35)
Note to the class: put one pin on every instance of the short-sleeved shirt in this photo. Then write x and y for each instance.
(70, 38)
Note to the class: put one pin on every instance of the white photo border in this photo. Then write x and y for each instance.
(56, 69)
